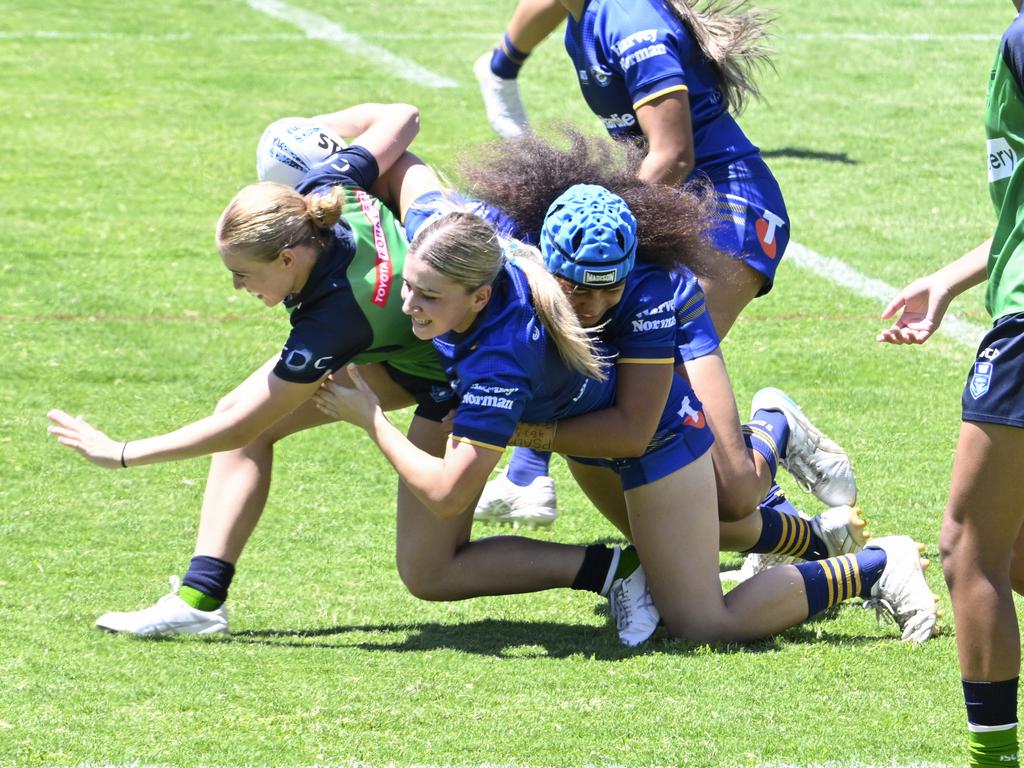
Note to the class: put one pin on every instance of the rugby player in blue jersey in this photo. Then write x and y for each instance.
(496, 331)
(333, 256)
(667, 77)
(521, 178)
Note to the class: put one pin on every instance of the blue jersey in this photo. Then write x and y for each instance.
(506, 369)
(430, 206)
(661, 317)
(695, 333)
(630, 52)
(349, 309)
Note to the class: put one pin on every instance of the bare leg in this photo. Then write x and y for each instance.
(437, 561)
(675, 526)
(239, 481)
(604, 489)
(533, 21)
(729, 291)
(742, 476)
(981, 526)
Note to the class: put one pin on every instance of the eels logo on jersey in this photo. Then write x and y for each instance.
(690, 416)
(1001, 159)
(600, 74)
(981, 379)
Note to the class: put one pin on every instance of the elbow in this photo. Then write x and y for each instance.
(409, 116)
(636, 444)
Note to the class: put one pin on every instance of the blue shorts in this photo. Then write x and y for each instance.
(669, 450)
(755, 224)
(994, 392)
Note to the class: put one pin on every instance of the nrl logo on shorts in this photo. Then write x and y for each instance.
(981, 379)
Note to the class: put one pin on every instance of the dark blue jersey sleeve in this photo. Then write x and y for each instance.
(495, 390)
(695, 333)
(353, 166)
(324, 337)
(644, 48)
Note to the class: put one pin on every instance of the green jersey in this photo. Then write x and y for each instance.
(350, 309)
(1004, 124)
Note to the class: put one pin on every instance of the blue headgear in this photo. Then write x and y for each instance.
(589, 237)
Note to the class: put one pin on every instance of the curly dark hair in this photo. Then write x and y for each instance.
(523, 177)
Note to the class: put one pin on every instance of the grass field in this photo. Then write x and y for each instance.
(127, 128)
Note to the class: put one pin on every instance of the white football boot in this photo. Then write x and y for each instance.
(842, 528)
(504, 108)
(504, 502)
(816, 462)
(902, 592)
(636, 616)
(170, 616)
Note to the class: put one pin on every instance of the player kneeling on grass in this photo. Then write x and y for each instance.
(463, 291)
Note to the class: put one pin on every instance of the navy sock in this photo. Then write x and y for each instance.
(526, 465)
(507, 59)
(784, 532)
(991, 704)
(830, 582)
(209, 575)
(597, 564)
(772, 429)
(991, 722)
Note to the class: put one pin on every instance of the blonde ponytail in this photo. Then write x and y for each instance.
(731, 35)
(263, 219)
(466, 250)
(575, 345)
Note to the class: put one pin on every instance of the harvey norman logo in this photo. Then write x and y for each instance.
(1001, 159)
(490, 397)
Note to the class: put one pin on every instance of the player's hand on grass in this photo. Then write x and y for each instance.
(356, 405)
(923, 304)
(80, 435)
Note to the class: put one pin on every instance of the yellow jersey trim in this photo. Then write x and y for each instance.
(658, 94)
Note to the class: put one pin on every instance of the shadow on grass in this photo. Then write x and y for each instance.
(521, 639)
(798, 153)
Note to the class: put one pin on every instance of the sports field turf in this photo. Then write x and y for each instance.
(127, 127)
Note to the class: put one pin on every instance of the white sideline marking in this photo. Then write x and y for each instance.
(319, 28)
(842, 274)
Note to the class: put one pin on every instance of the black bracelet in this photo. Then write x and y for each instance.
(122, 454)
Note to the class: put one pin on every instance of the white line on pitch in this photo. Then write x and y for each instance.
(317, 27)
(842, 274)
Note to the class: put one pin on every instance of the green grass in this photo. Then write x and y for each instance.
(122, 150)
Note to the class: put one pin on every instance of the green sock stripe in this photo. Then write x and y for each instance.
(199, 600)
(629, 560)
(991, 747)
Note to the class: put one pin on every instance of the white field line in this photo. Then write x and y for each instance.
(451, 35)
(319, 28)
(842, 274)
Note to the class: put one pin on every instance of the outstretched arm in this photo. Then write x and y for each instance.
(924, 301)
(254, 406)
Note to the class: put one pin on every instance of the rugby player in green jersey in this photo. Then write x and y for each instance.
(982, 541)
(333, 255)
